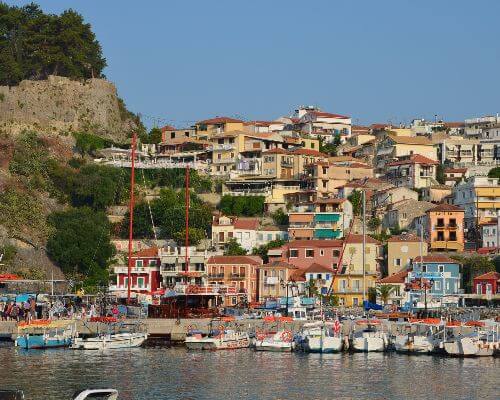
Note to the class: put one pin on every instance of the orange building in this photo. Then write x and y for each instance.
(445, 227)
(239, 272)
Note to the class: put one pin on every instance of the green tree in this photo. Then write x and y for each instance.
(88, 144)
(81, 243)
(142, 227)
(233, 248)
(384, 292)
(312, 288)
(280, 217)
(263, 250)
(34, 45)
(356, 201)
(196, 235)
(440, 176)
(372, 295)
(374, 223)
(494, 173)
(473, 266)
(155, 136)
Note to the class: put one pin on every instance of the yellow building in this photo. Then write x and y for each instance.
(348, 285)
(402, 250)
(206, 128)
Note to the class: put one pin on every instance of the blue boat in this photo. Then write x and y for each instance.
(46, 336)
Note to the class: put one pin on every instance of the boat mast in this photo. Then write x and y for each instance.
(364, 247)
(131, 218)
(186, 263)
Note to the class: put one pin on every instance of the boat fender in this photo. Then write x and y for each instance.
(287, 336)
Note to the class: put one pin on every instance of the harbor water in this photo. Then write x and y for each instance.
(175, 373)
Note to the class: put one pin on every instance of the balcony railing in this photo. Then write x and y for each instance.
(215, 276)
(238, 276)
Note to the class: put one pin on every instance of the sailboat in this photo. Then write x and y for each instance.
(423, 340)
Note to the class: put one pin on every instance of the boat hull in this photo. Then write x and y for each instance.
(222, 343)
(368, 344)
(119, 341)
(41, 342)
(466, 347)
(413, 345)
(326, 344)
(274, 347)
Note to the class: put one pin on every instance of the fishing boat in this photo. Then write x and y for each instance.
(134, 337)
(218, 339)
(370, 338)
(483, 342)
(321, 337)
(45, 334)
(103, 394)
(281, 341)
(424, 339)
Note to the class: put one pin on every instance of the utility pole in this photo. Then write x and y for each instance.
(187, 221)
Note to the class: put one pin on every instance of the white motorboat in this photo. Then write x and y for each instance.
(103, 394)
(423, 340)
(110, 341)
(281, 341)
(321, 337)
(223, 339)
(370, 338)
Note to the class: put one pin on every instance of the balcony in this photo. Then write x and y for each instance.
(238, 276)
(303, 225)
(327, 217)
(327, 233)
(216, 276)
(228, 160)
(223, 147)
(452, 226)
(134, 270)
(447, 245)
(439, 226)
(286, 164)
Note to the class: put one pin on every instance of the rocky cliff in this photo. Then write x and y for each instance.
(60, 104)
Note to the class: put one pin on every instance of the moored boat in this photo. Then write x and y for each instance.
(281, 341)
(220, 339)
(321, 337)
(110, 341)
(423, 339)
(370, 338)
(45, 334)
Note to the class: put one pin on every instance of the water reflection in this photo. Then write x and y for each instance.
(162, 373)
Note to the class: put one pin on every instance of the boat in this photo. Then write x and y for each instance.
(135, 337)
(321, 337)
(45, 334)
(103, 394)
(281, 341)
(218, 339)
(483, 342)
(424, 340)
(370, 338)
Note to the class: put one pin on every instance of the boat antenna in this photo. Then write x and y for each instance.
(131, 218)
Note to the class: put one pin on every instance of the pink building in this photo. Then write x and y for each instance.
(303, 253)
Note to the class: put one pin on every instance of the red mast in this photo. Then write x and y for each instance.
(131, 218)
(187, 220)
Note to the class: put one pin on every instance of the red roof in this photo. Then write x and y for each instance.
(446, 207)
(167, 128)
(219, 120)
(489, 275)
(359, 239)
(276, 151)
(309, 152)
(435, 259)
(278, 264)
(253, 260)
(414, 159)
(146, 253)
(9, 277)
(456, 170)
(246, 223)
(404, 238)
(315, 267)
(400, 277)
(298, 276)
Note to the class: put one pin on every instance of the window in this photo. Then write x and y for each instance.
(172, 135)
(440, 222)
(397, 262)
(441, 268)
(319, 276)
(325, 183)
(153, 263)
(437, 286)
(424, 268)
(355, 300)
(186, 134)
(140, 282)
(321, 252)
(336, 253)
(219, 156)
(139, 263)
(294, 253)
(327, 277)
(453, 236)
(309, 253)
(355, 284)
(325, 170)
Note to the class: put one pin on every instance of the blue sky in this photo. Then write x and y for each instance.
(377, 61)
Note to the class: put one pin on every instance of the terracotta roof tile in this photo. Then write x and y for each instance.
(218, 120)
(489, 275)
(315, 267)
(435, 259)
(404, 238)
(278, 264)
(399, 277)
(254, 260)
(414, 159)
(146, 253)
(446, 207)
(418, 140)
(309, 152)
(246, 223)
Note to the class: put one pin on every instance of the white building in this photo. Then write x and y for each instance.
(490, 233)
